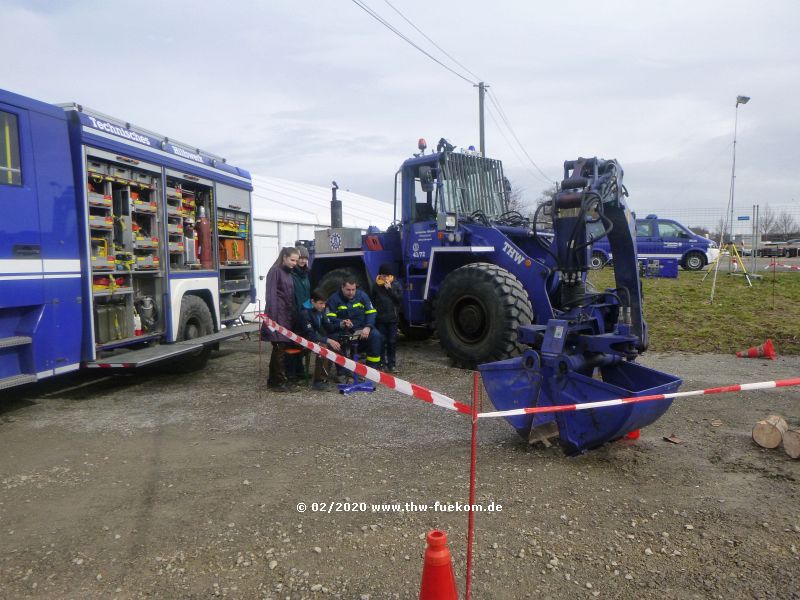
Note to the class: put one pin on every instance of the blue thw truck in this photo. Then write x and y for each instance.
(119, 247)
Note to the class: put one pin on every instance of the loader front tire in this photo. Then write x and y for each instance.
(478, 310)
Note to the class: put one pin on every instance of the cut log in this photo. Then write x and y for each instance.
(791, 442)
(769, 432)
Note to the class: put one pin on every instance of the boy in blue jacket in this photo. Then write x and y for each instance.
(314, 325)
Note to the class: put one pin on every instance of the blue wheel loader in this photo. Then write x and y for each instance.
(508, 294)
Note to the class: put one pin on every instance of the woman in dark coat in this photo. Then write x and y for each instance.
(302, 293)
(280, 308)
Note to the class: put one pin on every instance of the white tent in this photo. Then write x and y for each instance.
(286, 211)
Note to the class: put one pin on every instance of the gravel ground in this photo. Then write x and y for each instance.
(163, 486)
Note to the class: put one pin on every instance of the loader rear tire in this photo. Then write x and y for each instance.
(478, 310)
(332, 281)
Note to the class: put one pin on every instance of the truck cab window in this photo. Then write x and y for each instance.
(10, 173)
(669, 230)
(643, 229)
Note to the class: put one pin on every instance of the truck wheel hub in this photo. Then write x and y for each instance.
(192, 331)
(469, 320)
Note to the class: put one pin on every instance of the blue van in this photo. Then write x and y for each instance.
(663, 238)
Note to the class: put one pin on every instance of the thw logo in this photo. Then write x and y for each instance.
(513, 253)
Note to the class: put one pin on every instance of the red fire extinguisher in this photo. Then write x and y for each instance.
(204, 251)
(137, 323)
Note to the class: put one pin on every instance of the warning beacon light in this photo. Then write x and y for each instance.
(422, 144)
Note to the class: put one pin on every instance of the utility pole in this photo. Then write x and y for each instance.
(481, 93)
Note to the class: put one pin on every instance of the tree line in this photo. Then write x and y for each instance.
(772, 225)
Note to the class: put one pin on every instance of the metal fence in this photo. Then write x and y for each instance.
(776, 221)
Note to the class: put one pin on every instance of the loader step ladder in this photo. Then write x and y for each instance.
(412, 279)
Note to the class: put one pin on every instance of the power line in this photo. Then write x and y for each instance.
(363, 6)
(513, 149)
(422, 33)
(391, 28)
(493, 99)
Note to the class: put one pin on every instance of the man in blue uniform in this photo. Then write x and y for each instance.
(351, 310)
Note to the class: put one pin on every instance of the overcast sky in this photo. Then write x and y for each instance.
(315, 91)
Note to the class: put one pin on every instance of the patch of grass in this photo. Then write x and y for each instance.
(681, 318)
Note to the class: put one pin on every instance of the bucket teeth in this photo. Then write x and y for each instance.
(543, 434)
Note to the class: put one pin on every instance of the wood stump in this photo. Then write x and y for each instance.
(791, 442)
(769, 432)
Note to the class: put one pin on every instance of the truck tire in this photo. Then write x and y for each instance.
(598, 261)
(478, 310)
(694, 261)
(331, 282)
(195, 321)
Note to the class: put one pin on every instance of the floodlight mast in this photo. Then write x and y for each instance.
(729, 228)
(739, 100)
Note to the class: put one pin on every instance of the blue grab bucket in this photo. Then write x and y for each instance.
(520, 383)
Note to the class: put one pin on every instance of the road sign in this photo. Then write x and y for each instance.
(743, 218)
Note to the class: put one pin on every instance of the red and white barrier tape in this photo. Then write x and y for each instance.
(416, 391)
(744, 387)
(400, 385)
(783, 265)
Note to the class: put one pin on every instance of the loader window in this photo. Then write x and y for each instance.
(424, 203)
(472, 184)
(10, 173)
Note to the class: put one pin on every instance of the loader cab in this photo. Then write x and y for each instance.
(456, 183)
(419, 182)
(419, 205)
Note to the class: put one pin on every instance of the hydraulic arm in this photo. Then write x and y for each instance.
(586, 351)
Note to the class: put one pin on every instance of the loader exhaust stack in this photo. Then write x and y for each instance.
(336, 207)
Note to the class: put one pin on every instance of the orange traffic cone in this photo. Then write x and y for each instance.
(438, 581)
(765, 350)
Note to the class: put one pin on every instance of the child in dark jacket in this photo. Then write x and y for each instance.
(386, 298)
(314, 325)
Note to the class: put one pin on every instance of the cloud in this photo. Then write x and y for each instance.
(312, 93)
